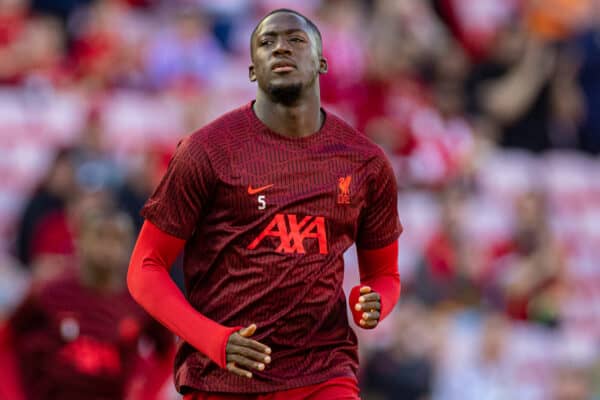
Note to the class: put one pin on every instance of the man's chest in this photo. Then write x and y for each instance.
(291, 198)
(73, 315)
(91, 339)
(304, 184)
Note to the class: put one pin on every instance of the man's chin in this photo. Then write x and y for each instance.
(284, 93)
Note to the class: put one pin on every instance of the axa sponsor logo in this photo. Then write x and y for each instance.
(293, 234)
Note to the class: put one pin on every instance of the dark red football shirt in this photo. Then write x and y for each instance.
(72, 342)
(266, 219)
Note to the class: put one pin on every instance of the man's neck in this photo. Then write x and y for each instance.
(299, 120)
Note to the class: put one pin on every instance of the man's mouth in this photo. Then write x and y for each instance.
(283, 66)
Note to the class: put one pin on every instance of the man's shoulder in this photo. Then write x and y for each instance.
(66, 283)
(353, 137)
(222, 127)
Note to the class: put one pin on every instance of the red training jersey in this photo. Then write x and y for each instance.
(266, 219)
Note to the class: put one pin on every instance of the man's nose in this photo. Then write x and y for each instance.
(282, 46)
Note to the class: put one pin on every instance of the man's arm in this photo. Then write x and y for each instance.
(377, 248)
(379, 288)
(507, 98)
(151, 286)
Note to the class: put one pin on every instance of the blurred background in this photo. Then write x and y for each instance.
(489, 111)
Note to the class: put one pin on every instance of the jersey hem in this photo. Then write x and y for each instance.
(264, 387)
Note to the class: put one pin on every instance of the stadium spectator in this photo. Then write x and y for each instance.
(185, 53)
(98, 35)
(528, 270)
(51, 196)
(511, 88)
(42, 51)
(344, 47)
(449, 271)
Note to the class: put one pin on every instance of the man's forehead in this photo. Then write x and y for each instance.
(282, 22)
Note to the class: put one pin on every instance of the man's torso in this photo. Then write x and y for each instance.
(268, 247)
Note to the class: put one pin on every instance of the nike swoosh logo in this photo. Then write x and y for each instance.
(252, 190)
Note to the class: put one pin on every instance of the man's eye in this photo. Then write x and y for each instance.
(297, 39)
(266, 42)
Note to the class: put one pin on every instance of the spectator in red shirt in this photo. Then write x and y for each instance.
(448, 273)
(526, 272)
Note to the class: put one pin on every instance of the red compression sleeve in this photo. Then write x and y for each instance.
(151, 286)
(378, 270)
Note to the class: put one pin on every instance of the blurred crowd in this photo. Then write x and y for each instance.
(488, 110)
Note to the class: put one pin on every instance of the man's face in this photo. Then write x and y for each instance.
(106, 244)
(285, 57)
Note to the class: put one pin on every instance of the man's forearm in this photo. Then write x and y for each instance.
(151, 286)
(378, 270)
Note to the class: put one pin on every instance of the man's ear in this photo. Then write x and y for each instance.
(323, 66)
(251, 73)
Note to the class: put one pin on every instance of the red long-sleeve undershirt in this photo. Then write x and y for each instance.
(379, 270)
(151, 286)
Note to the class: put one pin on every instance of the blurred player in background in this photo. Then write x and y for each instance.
(80, 335)
(265, 200)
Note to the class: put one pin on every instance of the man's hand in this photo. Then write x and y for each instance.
(246, 354)
(370, 303)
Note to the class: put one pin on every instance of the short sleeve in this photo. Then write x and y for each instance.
(184, 191)
(379, 224)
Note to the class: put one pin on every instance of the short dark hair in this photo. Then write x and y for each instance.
(310, 24)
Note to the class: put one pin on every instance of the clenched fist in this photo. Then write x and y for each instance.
(370, 303)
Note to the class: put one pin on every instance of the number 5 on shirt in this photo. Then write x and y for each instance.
(262, 203)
